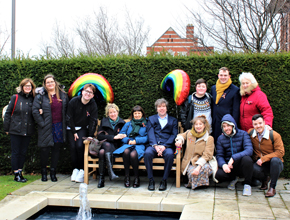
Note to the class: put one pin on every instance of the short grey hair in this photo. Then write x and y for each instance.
(160, 102)
(248, 76)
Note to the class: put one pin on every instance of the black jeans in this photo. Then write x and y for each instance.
(19, 145)
(77, 148)
(45, 152)
(242, 167)
(273, 168)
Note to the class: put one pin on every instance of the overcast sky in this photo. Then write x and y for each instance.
(35, 18)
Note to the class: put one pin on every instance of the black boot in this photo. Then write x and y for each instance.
(109, 161)
(22, 178)
(102, 176)
(43, 175)
(17, 178)
(52, 174)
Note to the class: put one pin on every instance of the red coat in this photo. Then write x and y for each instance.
(255, 103)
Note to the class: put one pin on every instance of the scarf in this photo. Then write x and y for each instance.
(197, 135)
(136, 124)
(220, 88)
(114, 123)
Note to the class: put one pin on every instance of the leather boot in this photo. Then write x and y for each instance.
(52, 175)
(102, 176)
(109, 161)
(43, 175)
(17, 178)
(21, 177)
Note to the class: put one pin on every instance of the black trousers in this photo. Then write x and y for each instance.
(19, 146)
(273, 168)
(77, 148)
(46, 151)
(242, 167)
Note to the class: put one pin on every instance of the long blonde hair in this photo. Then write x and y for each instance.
(57, 87)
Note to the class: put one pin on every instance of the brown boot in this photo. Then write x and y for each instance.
(271, 192)
(264, 185)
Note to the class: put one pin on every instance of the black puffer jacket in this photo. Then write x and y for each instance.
(21, 122)
(44, 121)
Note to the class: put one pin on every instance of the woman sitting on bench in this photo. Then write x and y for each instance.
(109, 130)
(133, 144)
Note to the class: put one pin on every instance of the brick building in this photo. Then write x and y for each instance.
(171, 42)
(283, 7)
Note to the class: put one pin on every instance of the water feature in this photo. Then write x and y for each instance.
(85, 212)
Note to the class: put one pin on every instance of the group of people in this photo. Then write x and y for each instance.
(228, 133)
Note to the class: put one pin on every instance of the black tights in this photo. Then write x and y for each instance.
(130, 156)
(45, 152)
(105, 148)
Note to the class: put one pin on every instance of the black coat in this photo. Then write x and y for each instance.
(107, 127)
(21, 122)
(44, 121)
(229, 103)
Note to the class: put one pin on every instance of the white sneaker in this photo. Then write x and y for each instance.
(232, 185)
(80, 176)
(247, 190)
(74, 175)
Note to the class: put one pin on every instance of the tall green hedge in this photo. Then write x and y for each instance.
(136, 80)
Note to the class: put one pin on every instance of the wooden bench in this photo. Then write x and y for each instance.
(158, 163)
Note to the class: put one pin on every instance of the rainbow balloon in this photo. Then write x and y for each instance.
(104, 90)
(178, 82)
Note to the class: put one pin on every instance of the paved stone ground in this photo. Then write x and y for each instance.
(213, 202)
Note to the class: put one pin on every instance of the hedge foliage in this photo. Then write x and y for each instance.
(136, 80)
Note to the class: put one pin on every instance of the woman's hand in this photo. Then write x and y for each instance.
(132, 142)
(40, 111)
(268, 127)
(178, 144)
(120, 136)
(195, 172)
(76, 136)
(7, 133)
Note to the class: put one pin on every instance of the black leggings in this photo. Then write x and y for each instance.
(130, 156)
(44, 155)
(19, 145)
(77, 148)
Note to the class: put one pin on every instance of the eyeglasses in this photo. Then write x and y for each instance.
(88, 92)
(27, 86)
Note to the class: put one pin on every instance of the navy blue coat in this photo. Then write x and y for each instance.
(229, 103)
(165, 136)
(237, 146)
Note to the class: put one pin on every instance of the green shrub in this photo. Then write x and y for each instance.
(136, 81)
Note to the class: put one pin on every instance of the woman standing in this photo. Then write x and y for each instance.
(197, 104)
(109, 130)
(19, 124)
(253, 102)
(199, 151)
(49, 111)
(133, 144)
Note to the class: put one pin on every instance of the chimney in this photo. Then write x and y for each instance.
(189, 31)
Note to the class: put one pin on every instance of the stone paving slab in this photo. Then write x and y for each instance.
(215, 202)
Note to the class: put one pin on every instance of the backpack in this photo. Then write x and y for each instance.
(6, 106)
(271, 135)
